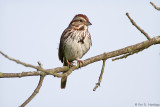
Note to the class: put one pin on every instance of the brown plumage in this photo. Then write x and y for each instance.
(74, 42)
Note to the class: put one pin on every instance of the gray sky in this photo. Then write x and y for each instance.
(30, 31)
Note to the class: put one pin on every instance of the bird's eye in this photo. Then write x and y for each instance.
(81, 21)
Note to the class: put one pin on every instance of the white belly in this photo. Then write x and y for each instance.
(74, 49)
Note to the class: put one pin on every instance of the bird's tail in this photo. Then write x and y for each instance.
(64, 79)
(63, 82)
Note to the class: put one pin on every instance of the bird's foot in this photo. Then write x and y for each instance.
(70, 64)
(80, 63)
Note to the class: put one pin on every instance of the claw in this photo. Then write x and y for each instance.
(80, 63)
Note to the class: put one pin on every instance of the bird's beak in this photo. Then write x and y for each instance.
(89, 23)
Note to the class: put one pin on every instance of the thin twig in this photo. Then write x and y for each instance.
(100, 77)
(40, 64)
(35, 91)
(121, 57)
(126, 55)
(158, 8)
(141, 30)
(19, 62)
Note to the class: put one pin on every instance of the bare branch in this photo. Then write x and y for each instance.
(141, 30)
(56, 71)
(158, 8)
(35, 91)
(100, 77)
(19, 75)
(39, 68)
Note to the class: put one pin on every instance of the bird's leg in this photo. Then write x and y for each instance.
(69, 63)
(80, 63)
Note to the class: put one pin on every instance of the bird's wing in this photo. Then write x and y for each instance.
(61, 53)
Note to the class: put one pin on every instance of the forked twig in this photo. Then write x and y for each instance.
(131, 52)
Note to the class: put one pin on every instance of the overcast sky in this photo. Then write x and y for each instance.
(30, 31)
